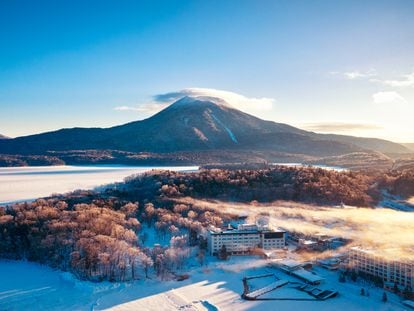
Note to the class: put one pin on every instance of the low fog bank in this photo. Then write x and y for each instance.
(390, 232)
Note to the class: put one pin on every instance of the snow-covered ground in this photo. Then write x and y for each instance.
(26, 183)
(152, 238)
(396, 202)
(29, 286)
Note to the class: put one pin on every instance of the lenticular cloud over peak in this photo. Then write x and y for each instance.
(236, 100)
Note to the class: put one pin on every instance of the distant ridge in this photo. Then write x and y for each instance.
(376, 144)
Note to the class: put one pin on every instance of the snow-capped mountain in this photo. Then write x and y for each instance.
(197, 124)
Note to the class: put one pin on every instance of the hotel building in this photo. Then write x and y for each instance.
(244, 239)
(392, 272)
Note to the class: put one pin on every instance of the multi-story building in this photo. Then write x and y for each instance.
(244, 239)
(391, 271)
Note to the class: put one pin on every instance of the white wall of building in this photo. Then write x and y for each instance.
(399, 272)
(239, 242)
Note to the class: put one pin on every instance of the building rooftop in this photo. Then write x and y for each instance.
(307, 276)
(244, 230)
(287, 263)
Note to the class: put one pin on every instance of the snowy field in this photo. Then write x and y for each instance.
(26, 183)
(29, 286)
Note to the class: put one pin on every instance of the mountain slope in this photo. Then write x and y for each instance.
(204, 124)
(195, 124)
(4, 137)
(410, 146)
(64, 139)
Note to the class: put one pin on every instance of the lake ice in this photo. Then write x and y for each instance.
(26, 183)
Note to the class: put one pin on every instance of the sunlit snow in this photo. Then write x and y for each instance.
(30, 286)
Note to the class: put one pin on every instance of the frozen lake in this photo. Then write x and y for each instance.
(26, 183)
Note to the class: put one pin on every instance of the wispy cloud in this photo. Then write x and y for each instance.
(355, 74)
(406, 80)
(352, 75)
(390, 97)
(328, 127)
(126, 108)
(147, 107)
(160, 101)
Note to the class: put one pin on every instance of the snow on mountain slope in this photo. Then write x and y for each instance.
(232, 136)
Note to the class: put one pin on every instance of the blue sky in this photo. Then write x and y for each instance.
(332, 66)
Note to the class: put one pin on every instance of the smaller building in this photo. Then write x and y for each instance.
(308, 244)
(315, 242)
(245, 239)
(330, 263)
(296, 269)
(287, 265)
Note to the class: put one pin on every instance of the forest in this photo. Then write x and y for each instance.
(101, 239)
(301, 184)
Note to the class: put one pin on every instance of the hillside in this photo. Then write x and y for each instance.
(409, 146)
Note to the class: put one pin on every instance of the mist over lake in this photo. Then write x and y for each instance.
(26, 183)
